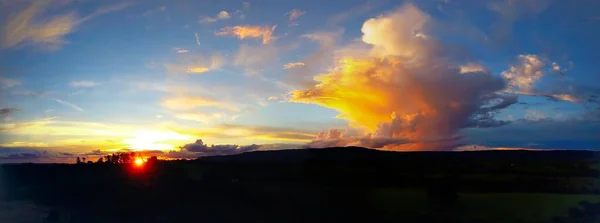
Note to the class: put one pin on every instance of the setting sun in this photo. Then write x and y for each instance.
(138, 162)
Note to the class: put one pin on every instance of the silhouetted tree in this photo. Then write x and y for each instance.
(90, 162)
(100, 160)
(152, 160)
(78, 160)
(83, 159)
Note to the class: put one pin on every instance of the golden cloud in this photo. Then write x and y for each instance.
(242, 32)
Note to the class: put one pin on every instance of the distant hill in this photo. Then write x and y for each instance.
(353, 154)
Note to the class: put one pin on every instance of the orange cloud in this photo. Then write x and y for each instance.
(401, 91)
(197, 70)
(263, 32)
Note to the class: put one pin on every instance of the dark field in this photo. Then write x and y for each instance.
(324, 185)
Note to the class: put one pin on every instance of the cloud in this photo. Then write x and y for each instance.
(68, 104)
(8, 83)
(242, 32)
(317, 62)
(405, 91)
(294, 14)
(28, 26)
(526, 74)
(7, 112)
(180, 50)
(83, 84)
(229, 131)
(355, 11)
(293, 65)
(200, 147)
(197, 38)
(187, 103)
(222, 15)
(192, 63)
(47, 96)
(255, 58)
(198, 116)
(472, 67)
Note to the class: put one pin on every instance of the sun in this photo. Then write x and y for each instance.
(138, 162)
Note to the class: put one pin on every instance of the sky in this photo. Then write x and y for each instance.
(183, 79)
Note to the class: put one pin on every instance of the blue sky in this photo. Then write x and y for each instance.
(78, 76)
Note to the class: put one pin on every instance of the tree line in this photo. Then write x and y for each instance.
(115, 158)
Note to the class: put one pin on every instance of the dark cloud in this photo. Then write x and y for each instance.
(204, 149)
(6, 112)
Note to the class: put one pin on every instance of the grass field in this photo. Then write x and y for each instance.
(484, 207)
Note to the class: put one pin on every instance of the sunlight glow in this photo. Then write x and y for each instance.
(154, 140)
(138, 162)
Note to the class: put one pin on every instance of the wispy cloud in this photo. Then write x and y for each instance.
(223, 15)
(187, 103)
(29, 27)
(293, 65)
(181, 50)
(227, 131)
(193, 63)
(242, 32)
(83, 84)
(8, 83)
(294, 14)
(47, 96)
(253, 59)
(200, 116)
(68, 104)
(197, 38)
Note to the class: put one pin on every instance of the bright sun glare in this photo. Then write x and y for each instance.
(154, 140)
(138, 161)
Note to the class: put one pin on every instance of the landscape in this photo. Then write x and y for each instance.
(299, 111)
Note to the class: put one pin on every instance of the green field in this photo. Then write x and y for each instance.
(484, 207)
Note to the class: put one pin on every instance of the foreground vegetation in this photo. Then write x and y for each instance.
(338, 185)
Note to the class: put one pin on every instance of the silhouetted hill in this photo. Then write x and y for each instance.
(351, 154)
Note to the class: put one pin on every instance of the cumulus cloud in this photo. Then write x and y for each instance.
(526, 74)
(225, 149)
(222, 15)
(293, 65)
(29, 26)
(242, 32)
(83, 84)
(402, 92)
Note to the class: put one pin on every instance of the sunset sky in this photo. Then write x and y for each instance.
(89, 77)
